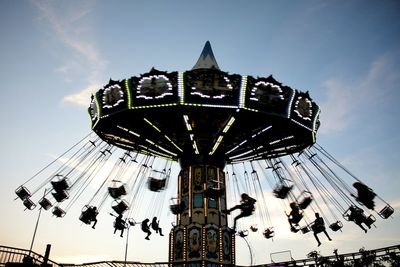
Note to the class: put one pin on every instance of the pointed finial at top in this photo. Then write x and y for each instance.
(206, 59)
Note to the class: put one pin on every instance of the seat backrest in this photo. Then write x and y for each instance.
(22, 192)
(29, 204)
(60, 196)
(120, 207)
(336, 226)
(58, 212)
(45, 203)
(60, 185)
(386, 212)
(370, 220)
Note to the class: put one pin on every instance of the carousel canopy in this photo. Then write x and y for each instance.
(204, 112)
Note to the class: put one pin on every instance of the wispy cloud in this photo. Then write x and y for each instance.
(82, 97)
(337, 107)
(345, 98)
(71, 27)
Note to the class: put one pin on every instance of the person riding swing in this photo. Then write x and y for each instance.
(119, 224)
(155, 226)
(295, 215)
(365, 195)
(318, 227)
(146, 228)
(358, 217)
(92, 214)
(246, 206)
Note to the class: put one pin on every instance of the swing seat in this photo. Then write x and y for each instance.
(243, 233)
(269, 233)
(120, 207)
(117, 192)
(177, 208)
(60, 185)
(45, 203)
(386, 212)
(88, 214)
(120, 226)
(297, 218)
(60, 196)
(294, 229)
(156, 185)
(370, 220)
(336, 226)
(22, 192)
(369, 203)
(29, 204)
(254, 228)
(354, 213)
(58, 212)
(305, 230)
(317, 228)
(305, 203)
(346, 215)
(85, 218)
(282, 191)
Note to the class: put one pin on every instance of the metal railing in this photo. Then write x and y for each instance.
(18, 255)
(365, 257)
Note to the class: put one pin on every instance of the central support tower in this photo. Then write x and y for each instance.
(201, 236)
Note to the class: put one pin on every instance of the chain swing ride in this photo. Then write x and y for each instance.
(232, 135)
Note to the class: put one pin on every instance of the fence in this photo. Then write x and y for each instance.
(388, 255)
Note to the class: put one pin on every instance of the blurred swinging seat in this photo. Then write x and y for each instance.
(156, 185)
(60, 184)
(282, 191)
(336, 226)
(45, 203)
(386, 212)
(22, 192)
(117, 190)
(89, 214)
(29, 204)
(60, 196)
(120, 206)
(269, 233)
(254, 228)
(305, 229)
(60, 187)
(370, 220)
(305, 199)
(58, 212)
(177, 208)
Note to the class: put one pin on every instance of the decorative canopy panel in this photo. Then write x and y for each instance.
(204, 112)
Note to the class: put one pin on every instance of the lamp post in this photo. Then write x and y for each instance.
(36, 226)
(130, 223)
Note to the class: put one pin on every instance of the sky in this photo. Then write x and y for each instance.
(54, 54)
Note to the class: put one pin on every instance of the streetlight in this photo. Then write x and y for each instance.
(36, 226)
(130, 223)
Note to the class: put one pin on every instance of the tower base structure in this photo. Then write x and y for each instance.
(201, 245)
(201, 236)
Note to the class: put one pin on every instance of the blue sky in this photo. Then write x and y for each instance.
(55, 53)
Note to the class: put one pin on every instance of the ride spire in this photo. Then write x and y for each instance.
(206, 59)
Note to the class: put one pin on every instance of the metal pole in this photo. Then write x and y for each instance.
(126, 245)
(37, 223)
(46, 255)
(251, 253)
